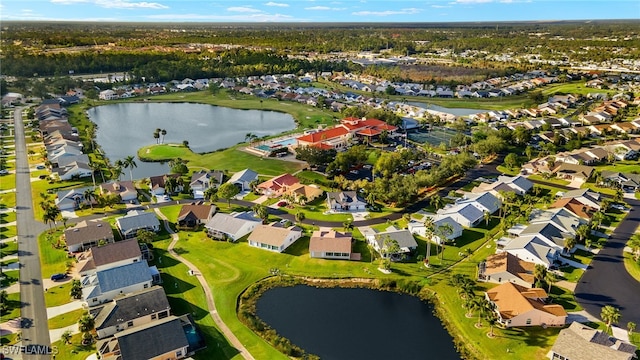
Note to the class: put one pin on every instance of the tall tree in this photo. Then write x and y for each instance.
(539, 273)
(89, 196)
(163, 132)
(262, 212)
(610, 315)
(130, 163)
(227, 191)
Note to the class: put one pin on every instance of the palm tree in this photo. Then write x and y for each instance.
(436, 201)
(569, 243)
(163, 132)
(596, 220)
(299, 216)
(249, 138)
(66, 337)
(631, 326)
(262, 212)
(634, 244)
(487, 216)
(550, 278)
(539, 273)
(610, 315)
(130, 163)
(85, 326)
(117, 168)
(89, 196)
(582, 231)
(156, 135)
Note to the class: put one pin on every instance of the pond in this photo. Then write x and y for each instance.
(338, 323)
(124, 128)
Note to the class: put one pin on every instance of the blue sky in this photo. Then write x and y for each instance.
(317, 10)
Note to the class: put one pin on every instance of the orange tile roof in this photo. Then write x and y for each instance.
(324, 135)
(574, 206)
(504, 261)
(330, 241)
(279, 182)
(369, 132)
(512, 300)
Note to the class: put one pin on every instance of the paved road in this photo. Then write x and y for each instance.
(607, 282)
(34, 312)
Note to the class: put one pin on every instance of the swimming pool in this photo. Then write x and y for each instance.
(195, 340)
(263, 147)
(285, 142)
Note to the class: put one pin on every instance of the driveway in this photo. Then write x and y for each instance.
(607, 282)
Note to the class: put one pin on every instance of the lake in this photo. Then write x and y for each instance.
(337, 323)
(124, 128)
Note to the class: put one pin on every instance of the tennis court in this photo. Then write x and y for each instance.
(434, 137)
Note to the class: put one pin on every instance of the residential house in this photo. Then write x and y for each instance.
(519, 185)
(193, 215)
(573, 172)
(505, 267)
(585, 197)
(274, 237)
(533, 248)
(157, 340)
(278, 185)
(405, 239)
(574, 207)
(243, 179)
(439, 223)
(330, 244)
(135, 220)
(72, 199)
(74, 170)
(303, 193)
(345, 201)
(626, 181)
(203, 180)
(107, 95)
(465, 214)
(86, 234)
(125, 189)
(130, 311)
(105, 285)
(580, 341)
(483, 201)
(157, 184)
(518, 306)
(109, 256)
(231, 226)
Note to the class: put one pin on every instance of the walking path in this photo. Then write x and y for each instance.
(63, 309)
(207, 292)
(56, 334)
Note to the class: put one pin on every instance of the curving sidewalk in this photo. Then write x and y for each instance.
(207, 292)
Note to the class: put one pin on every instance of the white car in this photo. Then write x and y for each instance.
(618, 207)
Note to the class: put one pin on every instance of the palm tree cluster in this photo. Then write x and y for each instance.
(157, 133)
(51, 211)
(543, 276)
(473, 303)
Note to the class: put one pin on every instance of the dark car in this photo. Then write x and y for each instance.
(56, 277)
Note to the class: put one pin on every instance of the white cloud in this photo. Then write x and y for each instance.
(243, 9)
(271, 3)
(440, 6)
(406, 11)
(114, 4)
(322, 8)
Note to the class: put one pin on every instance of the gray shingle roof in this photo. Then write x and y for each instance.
(114, 252)
(246, 175)
(123, 276)
(133, 306)
(404, 238)
(153, 339)
(137, 220)
(228, 224)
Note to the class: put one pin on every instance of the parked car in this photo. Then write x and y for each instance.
(59, 276)
(4, 172)
(618, 207)
(41, 167)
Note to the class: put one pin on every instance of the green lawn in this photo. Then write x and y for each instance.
(53, 260)
(66, 319)
(572, 274)
(625, 166)
(14, 304)
(231, 160)
(58, 295)
(599, 189)
(505, 170)
(9, 277)
(565, 298)
(632, 266)
(7, 200)
(8, 248)
(8, 231)
(583, 257)
(75, 350)
(576, 87)
(7, 217)
(7, 182)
